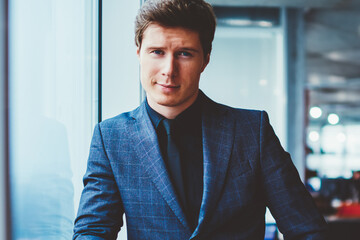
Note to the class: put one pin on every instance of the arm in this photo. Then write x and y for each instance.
(289, 202)
(100, 210)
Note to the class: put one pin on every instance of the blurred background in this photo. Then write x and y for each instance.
(66, 65)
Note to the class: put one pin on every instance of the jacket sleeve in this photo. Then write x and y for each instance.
(288, 200)
(100, 210)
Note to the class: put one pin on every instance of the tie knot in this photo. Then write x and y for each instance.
(168, 125)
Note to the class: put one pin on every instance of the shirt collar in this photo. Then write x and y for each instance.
(155, 117)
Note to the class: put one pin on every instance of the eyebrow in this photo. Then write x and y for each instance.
(189, 49)
(154, 48)
(180, 49)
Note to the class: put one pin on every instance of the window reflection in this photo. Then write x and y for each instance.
(42, 180)
(52, 78)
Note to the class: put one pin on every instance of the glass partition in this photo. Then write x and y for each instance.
(53, 92)
(246, 70)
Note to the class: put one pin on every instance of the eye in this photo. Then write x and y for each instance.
(157, 52)
(185, 54)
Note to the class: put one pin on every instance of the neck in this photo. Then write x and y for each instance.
(171, 112)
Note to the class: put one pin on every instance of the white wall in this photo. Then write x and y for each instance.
(120, 67)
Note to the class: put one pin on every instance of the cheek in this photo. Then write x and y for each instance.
(149, 69)
(195, 74)
(198, 68)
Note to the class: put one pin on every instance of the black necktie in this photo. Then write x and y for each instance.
(173, 160)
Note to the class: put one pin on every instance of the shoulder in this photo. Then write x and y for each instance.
(240, 114)
(245, 116)
(119, 120)
(115, 129)
(243, 113)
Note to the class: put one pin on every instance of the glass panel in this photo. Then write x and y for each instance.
(333, 120)
(247, 70)
(53, 74)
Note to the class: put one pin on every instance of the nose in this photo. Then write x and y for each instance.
(169, 68)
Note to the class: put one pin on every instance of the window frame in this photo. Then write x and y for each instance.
(5, 221)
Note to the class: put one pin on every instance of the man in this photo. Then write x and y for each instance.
(182, 166)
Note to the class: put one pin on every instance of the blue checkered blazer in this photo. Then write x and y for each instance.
(245, 170)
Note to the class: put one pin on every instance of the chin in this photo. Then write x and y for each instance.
(168, 103)
(172, 101)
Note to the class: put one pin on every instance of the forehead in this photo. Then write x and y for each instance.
(158, 34)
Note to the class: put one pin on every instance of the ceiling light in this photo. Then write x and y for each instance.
(265, 24)
(333, 119)
(315, 112)
(236, 22)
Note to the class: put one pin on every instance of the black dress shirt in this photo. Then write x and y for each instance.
(188, 138)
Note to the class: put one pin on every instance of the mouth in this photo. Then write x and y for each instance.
(168, 85)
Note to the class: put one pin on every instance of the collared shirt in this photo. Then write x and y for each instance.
(188, 138)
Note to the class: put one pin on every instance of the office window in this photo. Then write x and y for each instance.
(334, 150)
(53, 108)
(247, 69)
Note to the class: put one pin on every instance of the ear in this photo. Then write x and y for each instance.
(206, 62)
(138, 52)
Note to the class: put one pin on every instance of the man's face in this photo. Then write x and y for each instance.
(171, 60)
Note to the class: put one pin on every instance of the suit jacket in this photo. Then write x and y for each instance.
(245, 170)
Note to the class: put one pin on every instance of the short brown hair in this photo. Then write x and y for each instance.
(196, 15)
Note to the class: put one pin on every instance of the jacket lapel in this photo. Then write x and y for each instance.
(218, 137)
(148, 151)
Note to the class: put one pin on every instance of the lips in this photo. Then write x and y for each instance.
(168, 85)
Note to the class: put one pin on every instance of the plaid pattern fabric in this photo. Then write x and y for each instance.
(245, 170)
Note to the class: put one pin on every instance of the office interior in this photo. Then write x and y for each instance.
(66, 65)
